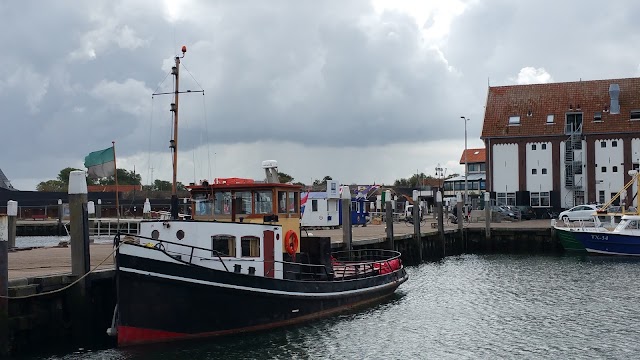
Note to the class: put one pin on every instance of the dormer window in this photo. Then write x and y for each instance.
(550, 119)
(514, 120)
(597, 116)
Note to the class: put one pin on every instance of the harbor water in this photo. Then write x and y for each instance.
(464, 307)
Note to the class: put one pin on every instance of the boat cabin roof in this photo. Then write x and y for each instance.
(206, 187)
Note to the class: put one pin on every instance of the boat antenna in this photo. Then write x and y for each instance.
(173, 143)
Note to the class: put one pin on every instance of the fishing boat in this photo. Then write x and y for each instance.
(237, 264)
(623, 239)
(566, 230)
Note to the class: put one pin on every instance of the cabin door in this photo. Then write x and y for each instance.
(269, 265)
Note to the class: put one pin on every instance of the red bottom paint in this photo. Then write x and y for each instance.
(131, 335)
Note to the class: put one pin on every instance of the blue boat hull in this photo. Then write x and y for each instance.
(610, 243)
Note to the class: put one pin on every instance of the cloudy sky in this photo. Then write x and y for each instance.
(362, 91)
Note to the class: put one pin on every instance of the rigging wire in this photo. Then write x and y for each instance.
(206, 129)
(206, 134)
(149, 167)
(194, 79)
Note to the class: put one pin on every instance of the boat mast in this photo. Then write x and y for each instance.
(173, 144)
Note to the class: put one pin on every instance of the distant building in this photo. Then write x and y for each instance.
(4, 182)
(562, 144)
(475, 160)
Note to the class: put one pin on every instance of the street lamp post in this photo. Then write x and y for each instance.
(466, 167)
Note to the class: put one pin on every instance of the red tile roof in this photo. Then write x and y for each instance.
(587, 97)
(474, 156)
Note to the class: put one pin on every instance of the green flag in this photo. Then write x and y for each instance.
(101, 163)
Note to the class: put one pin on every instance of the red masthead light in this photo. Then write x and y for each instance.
(184, 49)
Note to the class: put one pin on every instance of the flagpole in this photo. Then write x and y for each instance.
(115, 174)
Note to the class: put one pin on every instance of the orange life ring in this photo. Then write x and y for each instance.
(292, 242)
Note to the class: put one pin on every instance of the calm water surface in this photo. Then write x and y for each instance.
(466, 307)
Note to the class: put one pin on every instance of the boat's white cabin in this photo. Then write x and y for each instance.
(254, 249)
(630, 224)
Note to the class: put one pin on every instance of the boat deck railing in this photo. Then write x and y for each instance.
(345, 265)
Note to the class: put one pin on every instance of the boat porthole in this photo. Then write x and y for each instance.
(180, 234)
(155, 234)
(277, 236)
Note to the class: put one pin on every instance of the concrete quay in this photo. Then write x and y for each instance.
(48, 261)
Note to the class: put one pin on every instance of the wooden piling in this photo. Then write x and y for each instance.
(416, 224)
(440, 211)
(12, 212)
(346, 218)
(388, 208)
(487, 216)
(80, 261)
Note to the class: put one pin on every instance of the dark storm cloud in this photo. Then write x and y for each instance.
(76, 75)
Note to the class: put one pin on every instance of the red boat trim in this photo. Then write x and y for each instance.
(128, 336)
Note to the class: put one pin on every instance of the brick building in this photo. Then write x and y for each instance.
(562, 144)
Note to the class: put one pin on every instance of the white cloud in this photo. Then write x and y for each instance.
(530, 75)
(130, 96)
(28, 83)
(108, 32)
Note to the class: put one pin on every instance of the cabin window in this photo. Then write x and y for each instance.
(223, 245)
(514, 120)
(294, 202)
(634, 115)
(243, 202)
(604, 169)
(222, 202)
(534, 171)
(250, 246)
(282, 202)
(533, 146)
(597, 116)
(614, 143)
(544, 146)
(603, 144)
(314, 205)
(263, 202)
(544, 171)
(614, 169)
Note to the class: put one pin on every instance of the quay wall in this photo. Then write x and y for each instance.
(50, 322)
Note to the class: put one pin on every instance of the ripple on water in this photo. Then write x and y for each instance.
(464, 307)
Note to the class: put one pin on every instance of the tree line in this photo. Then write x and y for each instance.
(125, 177)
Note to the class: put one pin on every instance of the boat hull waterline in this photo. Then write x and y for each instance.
(610, 243)
(161, 301)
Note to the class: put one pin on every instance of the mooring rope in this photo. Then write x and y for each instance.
(68, 286)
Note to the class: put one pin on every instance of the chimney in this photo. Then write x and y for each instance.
(271, 171)
(614, 93)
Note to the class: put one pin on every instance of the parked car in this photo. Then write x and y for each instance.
(524, 211)
(504, 211)
(579, 212)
